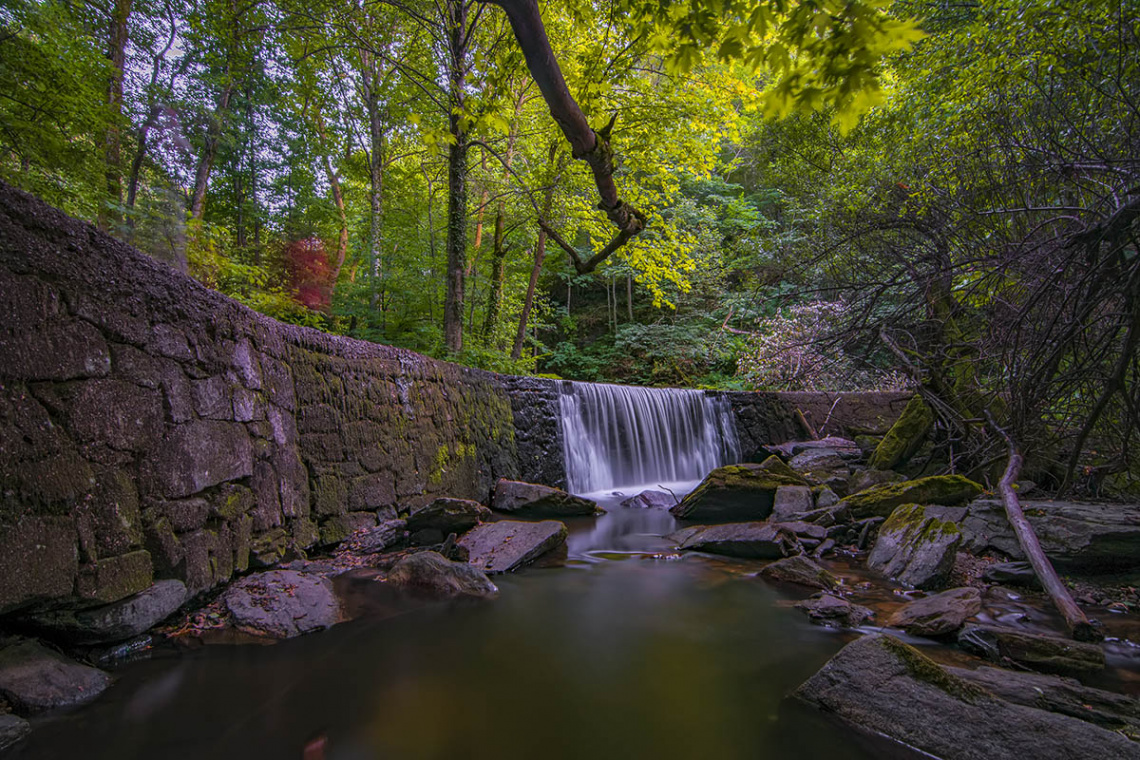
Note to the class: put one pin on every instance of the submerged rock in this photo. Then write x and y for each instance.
(114, 622)
(1076, 535)
(34, 678)
(12, 730)
(915, 549)
(533, 500)
(881, 500)
(434, 574)
(799, 570)
(1066, 696)
(748, 540)
(447, 516)
(938, 615)
(1048, 654)
(499, 547)
(282, 604)
(738, 492)
(832, 611)
(650, 500)
(881, 685)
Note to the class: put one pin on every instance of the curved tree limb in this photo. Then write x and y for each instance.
(586, 144)
(1079, 625)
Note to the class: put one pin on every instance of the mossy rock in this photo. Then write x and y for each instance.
(881, 500)
(738, 492)
(915, 548)
(905, 436)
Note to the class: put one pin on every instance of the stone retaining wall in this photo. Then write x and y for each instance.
(152, 428)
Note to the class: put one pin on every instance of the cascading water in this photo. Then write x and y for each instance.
(618, 436)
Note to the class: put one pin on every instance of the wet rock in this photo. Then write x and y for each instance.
(843, 447)
(499, 547)
(281, 604)
(738, 492)
(650, 500)
(114, 622)
(1074, 535)
(431, 573)
(832, 611)
(34, 678)
(882, 499)
(381, 538)
(864, 479)
(915, 549)
(12, 730)
(792, 501)
(803, 529)
(426, 537)
(533, 500)
(1057, 694)
(818, 460)
(801, 571)
(749, 540)
(938, 615)
(825, 497)
(1011, 573)
(1048, 654)
(448, 516)
(881, 685)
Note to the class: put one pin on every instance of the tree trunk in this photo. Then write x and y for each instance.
(370, 91)
(112, 142)
(495, 294)
(539, 257)
(209, 152)
(338, 199)
(456, 178)
(1079, 625)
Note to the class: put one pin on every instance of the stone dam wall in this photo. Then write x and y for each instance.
(151, 428)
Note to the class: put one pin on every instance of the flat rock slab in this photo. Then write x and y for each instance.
(34, 678)
(748, 540)
(12, 730)
(1075, 535)
(846, 448)
(832, 611)
(432, 574)
(281, 604)
(915, 548)
(938, 615)
(738, 492)
(801, 571)
(1048, 654)
(1067, 696)
(506, 545)
(881, 685)
(532, 500)
(115, 622)
(381, 538)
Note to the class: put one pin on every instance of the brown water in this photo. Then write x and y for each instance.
(626, 651)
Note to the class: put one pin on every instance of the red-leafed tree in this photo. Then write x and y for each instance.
(309, 273)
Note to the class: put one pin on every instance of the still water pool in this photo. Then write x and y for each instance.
(625, 650)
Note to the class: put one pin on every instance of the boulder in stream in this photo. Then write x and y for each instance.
(34, 678)
(281, 604)
(915, 548)
(1074, 535)
(881, 500)
(433, 574)
(801, 571)
(650, 500)
(832, 611)
(1048, 654)
(880, 685)
(938, 615)
(748, 540)
(119, 621)
(12, 730)
(738, 492)
(505, 545)
(532, 500)
(447, 516)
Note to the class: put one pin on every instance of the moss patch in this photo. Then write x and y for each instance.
(905, 436)
(923, 669)
(881, 500)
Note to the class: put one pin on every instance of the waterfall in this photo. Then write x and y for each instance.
(618, 436)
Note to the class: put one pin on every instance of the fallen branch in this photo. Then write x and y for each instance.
(1079, 625)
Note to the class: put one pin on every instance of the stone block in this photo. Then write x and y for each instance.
(114, 578)
(197, 455)
(117, 413)
(39, 560)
